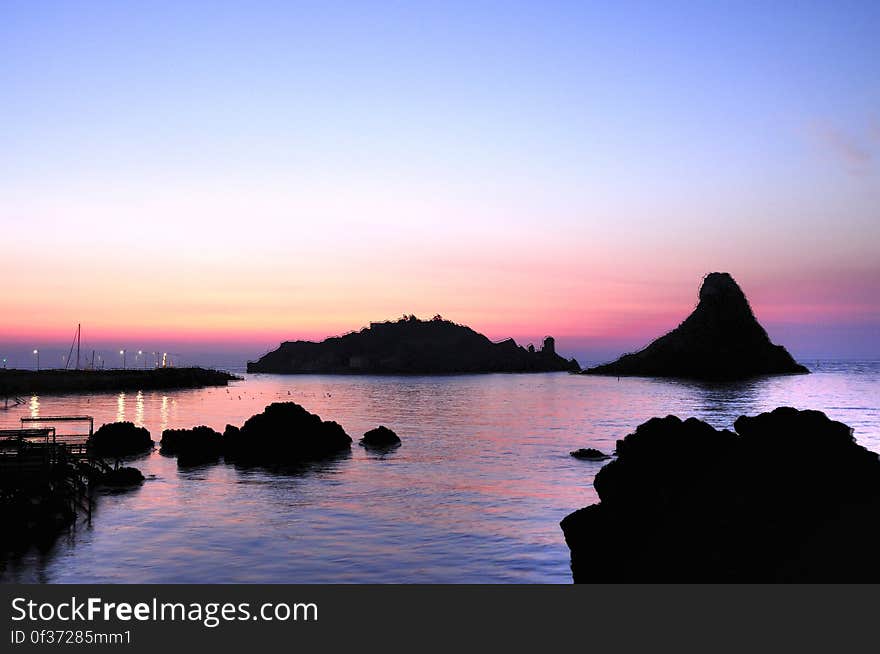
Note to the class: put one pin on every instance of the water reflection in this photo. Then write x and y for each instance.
(329, 465)
(120, 407)
(163, 415)
(718, 401)
(34, 406)
(139, 408)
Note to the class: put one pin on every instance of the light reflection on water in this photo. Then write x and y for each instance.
(475, 494)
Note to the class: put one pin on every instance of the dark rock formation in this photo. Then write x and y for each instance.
(14, 382)
(35, 504)
(230, 434)
(380, 438)
(790, 497)
(122, 477)
(284, 433)
(192, 446)
(589, 454)
(118, 439)
(412, 346)
(720, 340)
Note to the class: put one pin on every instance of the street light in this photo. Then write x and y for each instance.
(141, 354)
(37, 355)
(122, 352)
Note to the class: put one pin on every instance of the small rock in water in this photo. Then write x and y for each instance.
(284, 433)
(120, 439)
(122, 477)
(192, 446)
(380, 437)
(590, 454)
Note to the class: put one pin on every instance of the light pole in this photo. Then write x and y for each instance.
(37, 355)
(122, 352)
(141, 354)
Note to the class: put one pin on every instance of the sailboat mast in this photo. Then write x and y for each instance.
(78, 338)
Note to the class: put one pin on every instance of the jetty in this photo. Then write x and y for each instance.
(14, 383)
(46, 478)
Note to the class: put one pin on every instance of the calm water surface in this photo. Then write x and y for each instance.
(475, 494)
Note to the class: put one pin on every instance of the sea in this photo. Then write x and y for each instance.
(474, 494)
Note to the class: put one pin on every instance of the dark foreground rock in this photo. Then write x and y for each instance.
(789, 497)
(720, 340)
(412, 346)
(118, 439)
(192, 446)
(284, 433)
(380, 438)
(589, 454)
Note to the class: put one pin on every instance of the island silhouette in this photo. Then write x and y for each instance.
(720, 340)
(412, 346)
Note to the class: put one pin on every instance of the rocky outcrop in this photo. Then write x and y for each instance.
(412, 346)
(380, 438)
(720, 340)
(192, 446)
(788, 497)
(284, 433)
(118, 439)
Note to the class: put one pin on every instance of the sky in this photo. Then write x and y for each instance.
(213, 178)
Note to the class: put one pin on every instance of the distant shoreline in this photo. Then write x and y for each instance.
(361, 373)
(15, 382)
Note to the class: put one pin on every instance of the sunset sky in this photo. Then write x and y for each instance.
(218, 177)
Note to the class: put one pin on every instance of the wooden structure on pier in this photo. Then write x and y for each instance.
(44, 466)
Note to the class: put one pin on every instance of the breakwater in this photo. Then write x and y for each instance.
(17, 382)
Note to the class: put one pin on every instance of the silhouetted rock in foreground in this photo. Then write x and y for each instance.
(720, 340)
(192, 446)
(589, 454)
(120, 439)
(790, 497)
(284, 433)
(380, 438)
(412, 346)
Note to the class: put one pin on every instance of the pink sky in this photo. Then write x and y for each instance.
(593, 306)
(229, 181)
